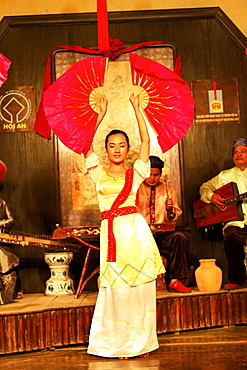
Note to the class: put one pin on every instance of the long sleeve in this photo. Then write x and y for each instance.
(92, 166)
(161, 193)
(6, 215)
(207, 189)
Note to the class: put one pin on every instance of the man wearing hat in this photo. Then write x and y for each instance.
(157, 202)
(235, 232)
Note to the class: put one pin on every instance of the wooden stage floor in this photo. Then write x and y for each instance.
(39, 322)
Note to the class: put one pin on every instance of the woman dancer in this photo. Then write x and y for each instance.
(124, 321)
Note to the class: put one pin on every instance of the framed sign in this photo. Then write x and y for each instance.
(78, 205)
(216, 101)
(17, 108)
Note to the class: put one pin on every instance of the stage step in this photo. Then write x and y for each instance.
(38, 322)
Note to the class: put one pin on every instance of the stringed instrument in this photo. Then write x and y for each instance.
(37, 241)
(207, 214)
(84, 231)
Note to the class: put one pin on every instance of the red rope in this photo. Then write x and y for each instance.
(103, 37)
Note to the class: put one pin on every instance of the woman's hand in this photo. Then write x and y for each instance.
(102, 113)
(103, 108)
(134, 99)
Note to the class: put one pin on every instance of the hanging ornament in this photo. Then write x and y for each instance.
(3, 170)
(4, 67)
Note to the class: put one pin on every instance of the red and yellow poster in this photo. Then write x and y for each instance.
(216, 101)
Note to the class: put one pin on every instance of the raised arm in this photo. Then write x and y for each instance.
(8, 220)
(102, 113)
(143, 130)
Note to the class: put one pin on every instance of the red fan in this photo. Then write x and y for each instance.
(166, 99)
(4, 67)
(71, 103)
(3, 170)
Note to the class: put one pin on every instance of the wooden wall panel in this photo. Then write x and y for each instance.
(210, 47)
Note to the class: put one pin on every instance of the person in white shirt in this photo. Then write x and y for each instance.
(235, 232)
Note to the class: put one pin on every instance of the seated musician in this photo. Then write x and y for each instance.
(157, 202)
(8, 260)
(235, 232)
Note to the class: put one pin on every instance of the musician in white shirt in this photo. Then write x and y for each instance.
(235, 232)
(157, 202)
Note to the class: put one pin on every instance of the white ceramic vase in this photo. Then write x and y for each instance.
(59, 283)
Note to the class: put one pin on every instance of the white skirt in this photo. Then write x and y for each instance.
(124, 322)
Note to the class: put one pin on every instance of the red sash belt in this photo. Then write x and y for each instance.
(106, 215)
(117, 211)
(110, 215)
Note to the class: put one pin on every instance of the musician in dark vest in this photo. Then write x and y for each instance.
(235, 232)
(157, 202)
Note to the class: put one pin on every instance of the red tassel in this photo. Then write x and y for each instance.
(103, 36)
(178, 66)
(41, 126)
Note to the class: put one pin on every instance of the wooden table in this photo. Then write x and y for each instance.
(79, 232)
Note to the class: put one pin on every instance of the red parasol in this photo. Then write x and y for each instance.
(4, 67)
(166, 99)
(71, 103)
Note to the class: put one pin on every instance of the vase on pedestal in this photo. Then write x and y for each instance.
(59, 283)
(208, 276)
